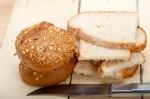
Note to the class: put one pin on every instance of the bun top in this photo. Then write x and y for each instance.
(45, 46)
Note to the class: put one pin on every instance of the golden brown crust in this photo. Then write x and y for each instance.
(95, 62)
(73, 31)
(124, 73)
(128, 72)
(104, 43)
(51, 77)
(79, 34)
(44, 47)
(138, 48)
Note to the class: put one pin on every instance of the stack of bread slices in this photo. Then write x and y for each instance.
(109, 44)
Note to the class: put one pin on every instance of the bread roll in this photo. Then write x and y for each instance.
(44, 47)
(51, 77)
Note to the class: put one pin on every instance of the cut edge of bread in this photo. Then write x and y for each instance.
(122, 75)
(85, 68)
(79, 34)
(133, 48)
(76, 32)
(128, 72)
(88, 51)
(137, 48)
(125, 72)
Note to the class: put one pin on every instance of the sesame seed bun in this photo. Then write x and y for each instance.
(52, 77)
(44, 47)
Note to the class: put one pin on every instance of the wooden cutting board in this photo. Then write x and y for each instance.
(28, 12)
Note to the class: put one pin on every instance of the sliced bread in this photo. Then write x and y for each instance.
(85, 68)
(121, 69)
(107, 29)
(88, 51)
(141, 40)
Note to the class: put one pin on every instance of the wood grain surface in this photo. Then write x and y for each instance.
(28, 12)
(5, 13)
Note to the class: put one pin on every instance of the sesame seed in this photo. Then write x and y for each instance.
(38, 48)
(20, 66)
(41, 46)
(50, 47)
(32, 47)
(25, 32)
(42, 58)
(44, 38)
(30, 55)
(29, 40)
(34, 73)
(41, 76)
(37, 78)
(59, 49)
(24, 52)
(44, 63)
(36, 37)
(51, 43)
(27, 50)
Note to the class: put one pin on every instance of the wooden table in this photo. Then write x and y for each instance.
(28, 12)
(5, 13)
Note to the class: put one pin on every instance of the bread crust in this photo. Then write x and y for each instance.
(122, 74)
(44, 47)
(74, 32)
(51, 77)
(128, 72)
(80, 34)
(119, 76)
(138, 48)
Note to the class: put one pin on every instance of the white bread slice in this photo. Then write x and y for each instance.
(107, 29)
(89, 51)
(121, 69)
(86, 68)
(141, 40)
